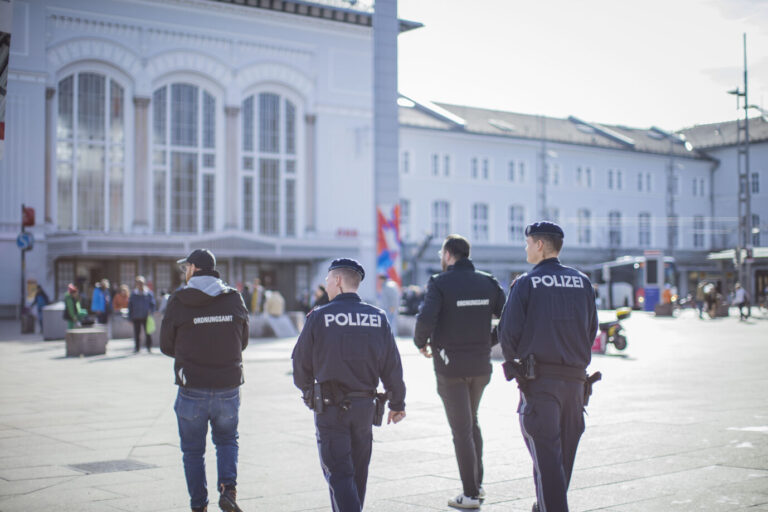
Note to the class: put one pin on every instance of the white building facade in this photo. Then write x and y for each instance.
(141, 130)
(615, 190)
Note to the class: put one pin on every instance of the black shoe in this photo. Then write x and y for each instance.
(200, 509)
(227, 501)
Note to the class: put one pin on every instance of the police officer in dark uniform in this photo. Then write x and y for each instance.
(346, 346)
(546, 332)
(454, 326)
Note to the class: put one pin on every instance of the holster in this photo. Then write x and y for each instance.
(380, 401)
(317, 398)
(588, 386)
(318, 405)
(521, 371)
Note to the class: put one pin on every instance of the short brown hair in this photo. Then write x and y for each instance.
(349, 276)
(554, 242)
(457, 245)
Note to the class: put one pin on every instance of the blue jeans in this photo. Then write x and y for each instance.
(194, 409)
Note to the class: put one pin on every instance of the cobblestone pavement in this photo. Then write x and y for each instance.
(679, 422)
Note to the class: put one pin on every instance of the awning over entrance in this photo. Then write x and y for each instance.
(730, 254)
(176, 246)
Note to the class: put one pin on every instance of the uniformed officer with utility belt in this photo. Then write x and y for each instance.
(346, 346)
(546, 332)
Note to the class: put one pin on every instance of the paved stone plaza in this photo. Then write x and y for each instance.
(679, 422)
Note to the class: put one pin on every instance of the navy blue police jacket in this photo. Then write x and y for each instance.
(550, 313)
(455, 319)
(349, 342)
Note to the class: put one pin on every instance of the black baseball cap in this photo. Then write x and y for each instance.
(348, 263)
(544, 227)
(201, 258)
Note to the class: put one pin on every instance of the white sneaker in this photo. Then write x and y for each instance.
(463, 501)
(481, 493)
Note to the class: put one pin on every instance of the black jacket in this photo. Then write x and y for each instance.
(551, 314)
(349, 342)
(455, 319)
(206, 334)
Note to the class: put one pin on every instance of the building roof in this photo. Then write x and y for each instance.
(355, 12)
(572, 130)
(717, 135)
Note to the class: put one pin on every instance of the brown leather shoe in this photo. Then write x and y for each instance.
(228, 499)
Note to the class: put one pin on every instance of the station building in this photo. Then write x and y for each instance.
(141, 130)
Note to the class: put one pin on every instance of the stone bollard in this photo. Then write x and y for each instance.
(86, 341)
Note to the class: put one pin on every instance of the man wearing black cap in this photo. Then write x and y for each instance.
(346, 346)
(546, 332)
(205, 328)
(454, 326)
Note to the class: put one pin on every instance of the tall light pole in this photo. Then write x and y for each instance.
(744, 240)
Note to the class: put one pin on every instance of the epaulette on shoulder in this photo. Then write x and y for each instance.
(486, 274)
(521, 276)
(316, 308)
(582, 274)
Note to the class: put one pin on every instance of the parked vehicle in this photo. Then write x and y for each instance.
(612, 332)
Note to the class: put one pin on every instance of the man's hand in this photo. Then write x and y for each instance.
(426, 351)
(395, 416)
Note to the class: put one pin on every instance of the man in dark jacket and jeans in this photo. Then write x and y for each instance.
(141, 304)
(454, 325)
(205, 329)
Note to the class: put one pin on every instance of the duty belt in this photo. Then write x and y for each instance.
(335, 392)
(560, 371)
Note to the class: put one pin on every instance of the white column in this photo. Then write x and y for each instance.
(50, 117)
(232, 186)
(309, 172)
(141, 164)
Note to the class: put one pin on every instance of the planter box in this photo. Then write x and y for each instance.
(88, 341)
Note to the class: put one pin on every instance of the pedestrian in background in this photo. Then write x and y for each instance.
(453, 327)
(120, 300)
(320, 297)
(141, 305)
(389, 299)
(40, 301)
(246, 293)
(73, 311)
(700, 297)
(101, 301)
(257, 297)
(546, 331)
(741, 299)
(205, 329)
(343, 351)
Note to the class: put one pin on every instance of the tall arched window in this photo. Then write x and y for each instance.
(90, 153)
(269, 164)
(184, 159)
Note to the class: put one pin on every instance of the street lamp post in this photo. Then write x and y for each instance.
(744, 240)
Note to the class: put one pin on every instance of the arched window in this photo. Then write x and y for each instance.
(183, 159)
(270, 142)
(90, 153)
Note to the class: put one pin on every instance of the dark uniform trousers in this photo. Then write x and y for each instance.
(461, 398)
(552, 421)
(344, 441)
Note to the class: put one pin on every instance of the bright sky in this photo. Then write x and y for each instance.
(667, 63)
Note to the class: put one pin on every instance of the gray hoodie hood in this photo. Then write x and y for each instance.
(209, 285)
